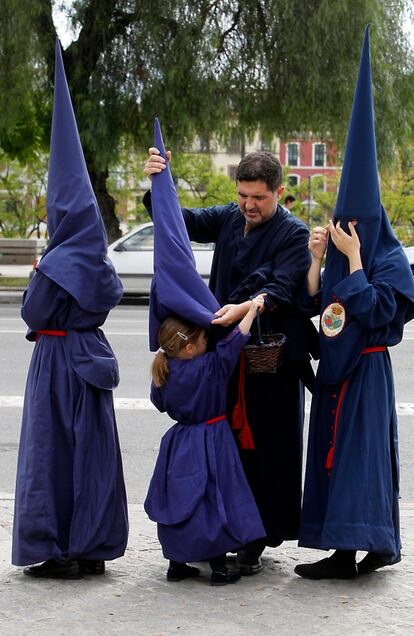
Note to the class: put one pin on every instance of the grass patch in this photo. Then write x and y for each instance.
(7, 281)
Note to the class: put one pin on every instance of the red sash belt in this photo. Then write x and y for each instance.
(329, 459)
(216, 419)
(49, 332)
(374, 349)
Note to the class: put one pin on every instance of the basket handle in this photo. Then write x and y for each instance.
(259, 329)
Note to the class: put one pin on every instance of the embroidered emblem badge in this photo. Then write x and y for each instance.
(333, 320)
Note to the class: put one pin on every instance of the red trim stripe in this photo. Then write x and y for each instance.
(216, 419)
(329, 459)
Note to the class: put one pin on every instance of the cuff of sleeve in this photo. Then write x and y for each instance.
(236, 333)
(147, 200)
(352, 284)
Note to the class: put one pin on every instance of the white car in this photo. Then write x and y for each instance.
(132, 256)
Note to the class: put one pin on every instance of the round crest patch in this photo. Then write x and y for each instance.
(333, 320)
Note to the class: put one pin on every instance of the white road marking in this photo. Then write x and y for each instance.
(144, 404)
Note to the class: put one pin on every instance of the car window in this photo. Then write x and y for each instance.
(142, 240)
(202, 246)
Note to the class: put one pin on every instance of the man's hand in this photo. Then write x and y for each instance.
(155, 163)
(229, 314)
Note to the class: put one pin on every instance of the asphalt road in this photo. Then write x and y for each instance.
(140, 426)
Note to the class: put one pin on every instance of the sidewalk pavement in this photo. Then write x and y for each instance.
(134, 598)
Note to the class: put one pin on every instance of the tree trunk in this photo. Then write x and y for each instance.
(106, 204)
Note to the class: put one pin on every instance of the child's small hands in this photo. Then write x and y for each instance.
(257, 303)
(318, 241)
(347, 244)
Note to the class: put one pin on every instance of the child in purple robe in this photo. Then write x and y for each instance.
(198, 494)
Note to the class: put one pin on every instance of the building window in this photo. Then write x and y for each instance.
(204, 144)
(265, 145)
(293, 154)
(319, 155)
(232, 171)
(293, 180)
(234, 144)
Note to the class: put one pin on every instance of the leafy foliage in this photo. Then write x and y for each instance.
(203, 66)
(22, 197)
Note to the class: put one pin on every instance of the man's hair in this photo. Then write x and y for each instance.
(289, 198)
(260, 166)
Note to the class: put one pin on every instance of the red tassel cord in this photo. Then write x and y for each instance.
(239, 419)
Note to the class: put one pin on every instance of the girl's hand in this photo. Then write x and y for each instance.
(318, 241)
(347, 244)
(257, 303)
(155, 163)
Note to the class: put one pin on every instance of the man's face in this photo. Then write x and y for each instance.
(256, 202)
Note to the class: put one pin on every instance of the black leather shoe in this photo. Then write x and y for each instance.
(326, 569)
(88, 566)
(373, 561)
(248, 564)
(52, 569)
(181, 572)
(224, 578)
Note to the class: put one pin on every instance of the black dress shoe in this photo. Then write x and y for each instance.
(181, 572)
(373, 561)
(327, 569)
(248, 563)
(219, 577)
(88, 566)
(52, 569)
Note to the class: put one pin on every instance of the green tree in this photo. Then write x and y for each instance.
(22, 197)
(204, 67)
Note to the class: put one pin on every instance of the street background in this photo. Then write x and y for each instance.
(134, 597)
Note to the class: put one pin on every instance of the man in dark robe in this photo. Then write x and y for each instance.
(261, 248)
(70, 505)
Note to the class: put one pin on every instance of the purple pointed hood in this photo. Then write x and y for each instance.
(76, 256)
(359, 195)
(382, 256)
(177, 287)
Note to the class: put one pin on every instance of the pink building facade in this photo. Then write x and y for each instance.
(308, 158)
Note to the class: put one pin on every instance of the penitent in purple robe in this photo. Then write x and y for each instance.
(351, 487)
(198, 493)
(70, 493)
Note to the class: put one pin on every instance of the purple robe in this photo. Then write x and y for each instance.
(354, 506)
(70, 494)
(198, 494)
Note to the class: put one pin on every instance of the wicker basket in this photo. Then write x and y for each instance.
(266, 356)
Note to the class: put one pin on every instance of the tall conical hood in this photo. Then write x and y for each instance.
(383, 259)
(359, 192)
(177, 287)
(76, 255)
